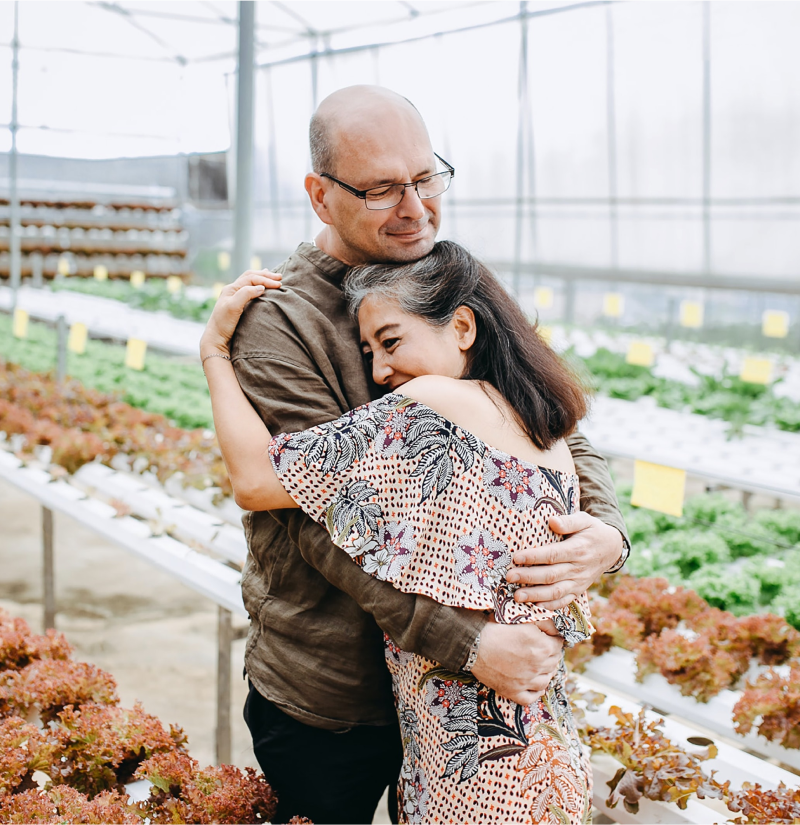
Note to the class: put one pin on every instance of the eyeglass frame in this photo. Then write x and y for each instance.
(362, 193)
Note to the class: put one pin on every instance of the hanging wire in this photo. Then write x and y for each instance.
(68, 131)
(115, 8)
(84, 53)
(223, 18)
(420, 15)
(414, 12)
(183, 18)
(219, 19)
(420, 37)
(290, 12)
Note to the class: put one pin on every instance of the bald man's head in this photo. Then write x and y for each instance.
(369, 138)
(346, 111)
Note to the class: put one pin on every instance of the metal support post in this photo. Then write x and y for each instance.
(797, 323)
(272, 157)
(707, 136)
(14, 223)
(313, 63)
(569, 301)
(48, 570)
(243, 205)
(669, 332)
(611, 128)
(522, 110)
(37, 269)
(224, 645)
(61, 329)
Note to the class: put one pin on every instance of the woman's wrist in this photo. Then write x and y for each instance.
(211, 345)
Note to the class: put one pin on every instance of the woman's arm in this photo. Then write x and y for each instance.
(243, 437)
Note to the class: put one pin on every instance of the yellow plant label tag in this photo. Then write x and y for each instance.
(543, 297)
(218, 287)
(756, 370)
(658, 487)
(137, 279)
(255, 262)
(691, 314)
(134, 353)
(775, 324)
(101, 273)
(613, 304)
(174, 284)
(63, 266)
(224, 261)
(20, 325)
(77, 338)
(546, 334)
(640, 354)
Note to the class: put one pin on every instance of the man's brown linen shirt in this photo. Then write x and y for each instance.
(315, 646)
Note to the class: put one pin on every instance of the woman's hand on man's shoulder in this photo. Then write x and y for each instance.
(229, 307)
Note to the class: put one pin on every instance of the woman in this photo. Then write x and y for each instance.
(430, 488)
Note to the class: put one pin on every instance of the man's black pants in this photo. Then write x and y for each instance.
(327, 776)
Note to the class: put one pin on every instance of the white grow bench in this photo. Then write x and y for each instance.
(206, 575)
(617, 670)
(730, 763)
(107, 318)
(762, 461)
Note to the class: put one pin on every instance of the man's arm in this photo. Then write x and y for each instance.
(596, 539)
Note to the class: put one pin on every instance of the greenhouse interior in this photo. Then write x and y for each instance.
(630, 174)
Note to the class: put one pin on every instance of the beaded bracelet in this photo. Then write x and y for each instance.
(214, 355)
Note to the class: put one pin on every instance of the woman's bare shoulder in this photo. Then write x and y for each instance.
(491, 419)
(442, 394)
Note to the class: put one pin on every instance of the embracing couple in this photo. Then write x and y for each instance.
(424, 518)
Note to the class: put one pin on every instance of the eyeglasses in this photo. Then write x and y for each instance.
(390, 194)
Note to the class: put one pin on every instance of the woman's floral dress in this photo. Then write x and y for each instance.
(419, 502)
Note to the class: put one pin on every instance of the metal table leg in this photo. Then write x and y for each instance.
(224, 644)
(48, 570)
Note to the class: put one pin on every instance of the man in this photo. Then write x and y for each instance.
(320, 706)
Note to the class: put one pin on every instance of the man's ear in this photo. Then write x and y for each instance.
(317, 189)
(464, 327)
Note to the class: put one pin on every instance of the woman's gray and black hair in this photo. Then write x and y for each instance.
(508, 351)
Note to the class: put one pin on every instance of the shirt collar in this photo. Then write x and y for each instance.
(333, 269)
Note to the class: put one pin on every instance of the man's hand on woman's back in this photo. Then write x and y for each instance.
(519, 660)
(554, 575)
